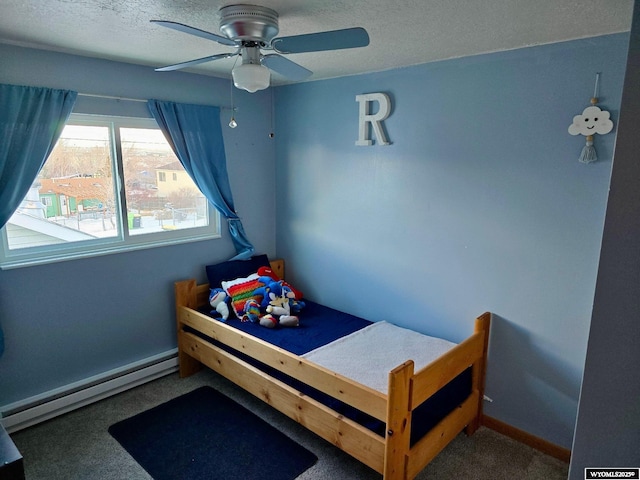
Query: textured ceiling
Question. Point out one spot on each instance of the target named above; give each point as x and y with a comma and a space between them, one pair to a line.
402, 32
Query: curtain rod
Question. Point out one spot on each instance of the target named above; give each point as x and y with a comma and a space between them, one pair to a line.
126, 99
109, 97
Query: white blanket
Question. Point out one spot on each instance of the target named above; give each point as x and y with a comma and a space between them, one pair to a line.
368, 355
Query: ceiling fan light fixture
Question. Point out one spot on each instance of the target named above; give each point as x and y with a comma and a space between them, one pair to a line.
251, 28
251, 77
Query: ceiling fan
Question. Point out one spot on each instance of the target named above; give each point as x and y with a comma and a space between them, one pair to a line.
251, 29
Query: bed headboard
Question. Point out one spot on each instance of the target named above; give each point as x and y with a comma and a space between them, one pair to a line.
277, 266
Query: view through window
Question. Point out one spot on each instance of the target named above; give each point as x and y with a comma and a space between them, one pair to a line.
108, 183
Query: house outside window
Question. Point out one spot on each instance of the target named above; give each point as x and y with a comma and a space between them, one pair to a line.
100, 192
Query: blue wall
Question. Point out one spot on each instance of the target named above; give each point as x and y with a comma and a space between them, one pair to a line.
478, 204
67, 321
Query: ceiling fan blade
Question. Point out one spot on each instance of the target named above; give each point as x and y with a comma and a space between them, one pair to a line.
195, 31
321, 41
286, 67
197, 61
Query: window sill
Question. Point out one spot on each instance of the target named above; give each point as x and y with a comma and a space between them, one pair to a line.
16, 262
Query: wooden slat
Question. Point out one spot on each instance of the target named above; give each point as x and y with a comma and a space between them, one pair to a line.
185, 296
185, 293
441, 371
201, 296
342, 388
347, 435
398, 422
482, 325
439, 437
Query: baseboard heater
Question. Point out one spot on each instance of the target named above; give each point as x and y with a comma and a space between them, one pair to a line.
33, 410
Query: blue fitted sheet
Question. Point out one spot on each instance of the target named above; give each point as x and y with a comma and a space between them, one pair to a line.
319, 325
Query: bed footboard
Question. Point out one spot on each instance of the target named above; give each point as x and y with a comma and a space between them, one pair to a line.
407, 390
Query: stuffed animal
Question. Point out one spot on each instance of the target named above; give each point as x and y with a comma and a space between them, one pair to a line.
251, 311
218, 300
295, 304
270, 321
275, 302
278, 304
268, 272
261, 293
295, 296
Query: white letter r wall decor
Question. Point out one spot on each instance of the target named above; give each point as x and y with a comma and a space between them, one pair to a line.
374, 119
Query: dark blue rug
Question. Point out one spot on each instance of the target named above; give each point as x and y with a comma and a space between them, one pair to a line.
206, 435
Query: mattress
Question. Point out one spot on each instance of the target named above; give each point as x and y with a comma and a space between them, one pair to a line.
379, 347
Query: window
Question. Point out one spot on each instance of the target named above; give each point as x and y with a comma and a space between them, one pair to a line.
103, 190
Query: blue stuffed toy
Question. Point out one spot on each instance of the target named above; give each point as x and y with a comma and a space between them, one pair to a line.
251, 311
270, 286
254, 310
218, 299
276, 303
295, 305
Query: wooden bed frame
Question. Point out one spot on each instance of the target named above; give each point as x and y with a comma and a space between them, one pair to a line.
391, 456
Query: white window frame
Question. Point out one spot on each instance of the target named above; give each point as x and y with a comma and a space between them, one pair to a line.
123, 242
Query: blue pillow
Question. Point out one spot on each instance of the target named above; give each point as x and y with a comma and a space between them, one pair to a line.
232, 269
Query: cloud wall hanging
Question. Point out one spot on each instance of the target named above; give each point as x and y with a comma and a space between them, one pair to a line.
592, 120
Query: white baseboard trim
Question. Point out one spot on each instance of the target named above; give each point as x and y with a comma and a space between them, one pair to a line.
36, 409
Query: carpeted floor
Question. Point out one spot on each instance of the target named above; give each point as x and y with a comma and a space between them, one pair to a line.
77, 446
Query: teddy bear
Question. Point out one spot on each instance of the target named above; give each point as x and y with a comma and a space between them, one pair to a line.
218, 301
